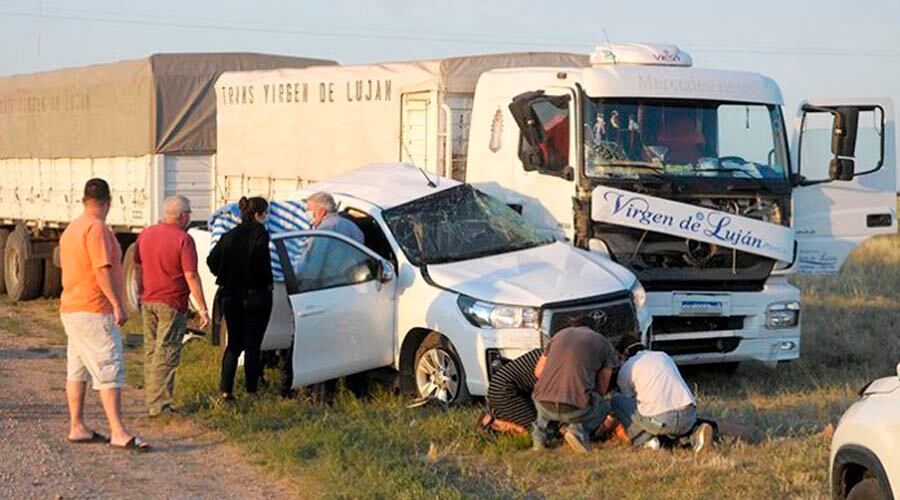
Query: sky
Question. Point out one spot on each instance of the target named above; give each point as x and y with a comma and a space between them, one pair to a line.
811, 48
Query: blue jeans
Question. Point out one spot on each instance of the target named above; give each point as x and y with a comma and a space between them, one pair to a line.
671, 424
581, 421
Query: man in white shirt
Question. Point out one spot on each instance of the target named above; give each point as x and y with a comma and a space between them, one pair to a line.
654, 400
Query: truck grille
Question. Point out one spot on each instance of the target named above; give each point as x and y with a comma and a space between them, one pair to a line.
613, 319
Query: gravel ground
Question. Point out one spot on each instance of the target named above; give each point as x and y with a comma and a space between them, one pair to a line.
36, 461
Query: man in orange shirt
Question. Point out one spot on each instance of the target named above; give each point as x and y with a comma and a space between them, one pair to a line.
92, 310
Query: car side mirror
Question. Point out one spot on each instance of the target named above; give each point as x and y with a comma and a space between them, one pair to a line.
843, 143
385, 271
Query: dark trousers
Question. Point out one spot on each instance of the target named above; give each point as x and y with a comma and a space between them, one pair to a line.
246, 315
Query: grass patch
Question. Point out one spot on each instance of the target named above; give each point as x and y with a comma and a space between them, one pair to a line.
378, 448
13, 326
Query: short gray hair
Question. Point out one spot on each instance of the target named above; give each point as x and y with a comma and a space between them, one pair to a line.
177, 205
323, 199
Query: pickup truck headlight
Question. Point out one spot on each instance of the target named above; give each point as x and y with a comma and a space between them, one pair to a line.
638, 295
782, 315
488, 315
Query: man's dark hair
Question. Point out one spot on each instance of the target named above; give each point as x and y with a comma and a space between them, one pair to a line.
97, 190
629, 345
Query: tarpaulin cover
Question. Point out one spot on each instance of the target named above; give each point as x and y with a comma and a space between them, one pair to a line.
284, 216
161, 104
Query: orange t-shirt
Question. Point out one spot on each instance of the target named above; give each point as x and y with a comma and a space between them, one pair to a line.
86, 246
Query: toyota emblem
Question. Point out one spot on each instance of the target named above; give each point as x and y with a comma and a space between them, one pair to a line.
598, 317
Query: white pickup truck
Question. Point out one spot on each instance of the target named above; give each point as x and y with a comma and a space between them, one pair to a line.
449, 283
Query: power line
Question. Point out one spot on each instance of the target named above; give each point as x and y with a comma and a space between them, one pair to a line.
362, 33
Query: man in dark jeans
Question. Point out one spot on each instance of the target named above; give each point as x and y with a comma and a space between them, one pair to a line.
573, 375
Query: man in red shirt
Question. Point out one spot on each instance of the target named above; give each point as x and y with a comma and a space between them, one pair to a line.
166, 263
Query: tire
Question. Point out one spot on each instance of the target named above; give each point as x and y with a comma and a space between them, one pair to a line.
52, 280
4, 235
132, 299
867, 489
24, 277
438, 372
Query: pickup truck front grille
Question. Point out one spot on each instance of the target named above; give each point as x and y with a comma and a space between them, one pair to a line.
613, 319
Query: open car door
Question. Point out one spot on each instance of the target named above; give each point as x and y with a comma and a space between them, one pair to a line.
342, 299
846, 181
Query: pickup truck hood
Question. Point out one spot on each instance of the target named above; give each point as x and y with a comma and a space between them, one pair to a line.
533, 277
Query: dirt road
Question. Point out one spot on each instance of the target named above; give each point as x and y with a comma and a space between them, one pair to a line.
36, 461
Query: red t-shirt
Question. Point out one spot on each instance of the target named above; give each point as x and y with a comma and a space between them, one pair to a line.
165, 252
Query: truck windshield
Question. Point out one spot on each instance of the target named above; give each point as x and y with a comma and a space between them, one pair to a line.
634, 137
460, 223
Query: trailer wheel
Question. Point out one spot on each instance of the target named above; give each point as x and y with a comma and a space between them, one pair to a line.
24, 277
132, 298
52, 280
4, 235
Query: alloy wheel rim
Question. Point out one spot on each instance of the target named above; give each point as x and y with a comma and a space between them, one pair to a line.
437, 376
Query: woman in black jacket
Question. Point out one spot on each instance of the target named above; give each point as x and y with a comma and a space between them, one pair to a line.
243, 269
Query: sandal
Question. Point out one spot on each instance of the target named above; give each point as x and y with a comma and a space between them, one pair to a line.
133, 444
95, 437
485, 423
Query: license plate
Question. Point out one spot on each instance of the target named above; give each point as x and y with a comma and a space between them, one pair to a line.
702, 305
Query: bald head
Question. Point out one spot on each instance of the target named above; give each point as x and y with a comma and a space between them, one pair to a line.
178, 210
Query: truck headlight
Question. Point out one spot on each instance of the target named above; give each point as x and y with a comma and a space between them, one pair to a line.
638, 295
488, 315
783, 315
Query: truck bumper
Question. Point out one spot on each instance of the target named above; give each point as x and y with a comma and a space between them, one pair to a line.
738, 333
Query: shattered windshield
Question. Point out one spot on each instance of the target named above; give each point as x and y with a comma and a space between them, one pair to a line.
459, 224
631, 138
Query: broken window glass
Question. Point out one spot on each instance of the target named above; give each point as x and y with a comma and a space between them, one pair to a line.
460, 223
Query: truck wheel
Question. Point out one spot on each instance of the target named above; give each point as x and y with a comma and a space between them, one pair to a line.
4, 235
132, 298
438, 371
867, 489
24, 277
52, 280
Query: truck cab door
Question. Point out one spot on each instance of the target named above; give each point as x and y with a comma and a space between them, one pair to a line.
342, 300
845, 183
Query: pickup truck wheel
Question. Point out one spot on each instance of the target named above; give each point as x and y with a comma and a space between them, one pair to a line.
23, 276
4, 235
438, 372
132, 298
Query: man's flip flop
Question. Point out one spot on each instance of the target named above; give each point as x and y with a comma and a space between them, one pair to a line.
133, 444
95, 437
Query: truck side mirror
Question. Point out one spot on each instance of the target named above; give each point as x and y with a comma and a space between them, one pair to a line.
532, 136
843, 143
544, 128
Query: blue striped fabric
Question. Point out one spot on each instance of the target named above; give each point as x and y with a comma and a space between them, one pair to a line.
284, 216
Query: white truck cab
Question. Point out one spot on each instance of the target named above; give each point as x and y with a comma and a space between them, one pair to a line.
685, 177
448, 283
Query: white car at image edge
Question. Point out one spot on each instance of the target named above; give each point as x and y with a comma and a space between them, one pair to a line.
865, 448
449, 283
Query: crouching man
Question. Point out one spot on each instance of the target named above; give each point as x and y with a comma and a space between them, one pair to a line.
573, 374
655, 402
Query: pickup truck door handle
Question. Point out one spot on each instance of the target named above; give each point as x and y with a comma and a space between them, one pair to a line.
309, 311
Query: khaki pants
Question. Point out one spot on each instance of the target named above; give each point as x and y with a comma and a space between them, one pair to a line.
164, 329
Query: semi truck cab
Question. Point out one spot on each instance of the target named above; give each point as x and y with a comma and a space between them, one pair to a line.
688, 178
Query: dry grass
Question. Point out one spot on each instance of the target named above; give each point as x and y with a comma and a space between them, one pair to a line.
377, 448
